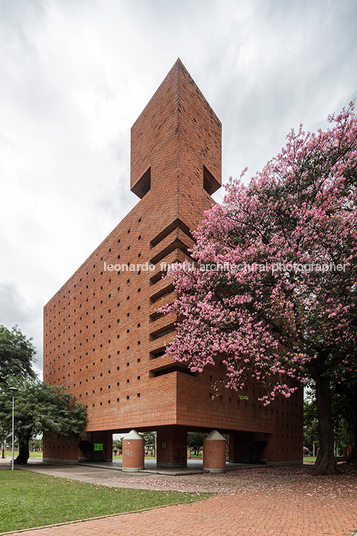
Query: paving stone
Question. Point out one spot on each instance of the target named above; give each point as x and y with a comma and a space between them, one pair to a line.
263, 501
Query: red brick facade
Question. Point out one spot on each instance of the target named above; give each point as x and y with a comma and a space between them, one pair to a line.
103, 338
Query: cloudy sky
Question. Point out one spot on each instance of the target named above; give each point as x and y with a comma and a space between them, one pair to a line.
74, 76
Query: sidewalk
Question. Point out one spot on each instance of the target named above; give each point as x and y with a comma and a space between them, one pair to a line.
262, 501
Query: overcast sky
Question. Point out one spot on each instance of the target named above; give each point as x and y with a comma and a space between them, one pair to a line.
74, 76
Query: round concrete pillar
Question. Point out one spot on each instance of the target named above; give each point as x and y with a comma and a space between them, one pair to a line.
214, 453
133, 452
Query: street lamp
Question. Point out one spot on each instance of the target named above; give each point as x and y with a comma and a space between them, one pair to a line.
13, 391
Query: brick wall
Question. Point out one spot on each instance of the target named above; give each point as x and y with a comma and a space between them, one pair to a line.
103, 338
59, 449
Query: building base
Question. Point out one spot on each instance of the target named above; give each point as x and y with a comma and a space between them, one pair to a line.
171, 446
60, 461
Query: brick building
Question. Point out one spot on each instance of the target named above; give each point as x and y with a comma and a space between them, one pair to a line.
103, 337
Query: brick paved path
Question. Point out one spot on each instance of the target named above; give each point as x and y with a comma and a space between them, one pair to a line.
226, 515
265, 501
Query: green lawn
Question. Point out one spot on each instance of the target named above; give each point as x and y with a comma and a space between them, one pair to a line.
32, 500
311, 459
16, 452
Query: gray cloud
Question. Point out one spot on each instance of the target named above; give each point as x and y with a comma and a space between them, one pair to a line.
15, 310
74, 77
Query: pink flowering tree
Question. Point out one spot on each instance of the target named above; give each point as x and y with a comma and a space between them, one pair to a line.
273, 290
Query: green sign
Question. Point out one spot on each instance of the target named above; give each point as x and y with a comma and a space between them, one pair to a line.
98, 446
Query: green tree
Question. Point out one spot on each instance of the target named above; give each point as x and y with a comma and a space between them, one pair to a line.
311, 424
195, 441
16, 355
16, 358
35, 444
344, 407
3, 436
41, 409
149, 438
343, 410
117, 445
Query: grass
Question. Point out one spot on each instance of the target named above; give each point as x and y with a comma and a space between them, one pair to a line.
16, 452
309, 459
31, 500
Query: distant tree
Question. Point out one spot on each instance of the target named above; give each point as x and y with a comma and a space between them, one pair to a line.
16, 355
16, 358
35, 444
274, 293
149, 438
344, 406
343, 413
117, 445
41, 409
195, 441
3, 436
311, 424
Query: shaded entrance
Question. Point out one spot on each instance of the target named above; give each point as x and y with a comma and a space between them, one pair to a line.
247, 447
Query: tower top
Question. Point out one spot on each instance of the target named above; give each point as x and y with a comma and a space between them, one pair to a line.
176, 139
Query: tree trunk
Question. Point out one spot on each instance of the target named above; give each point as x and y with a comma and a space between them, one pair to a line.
353, 456
24, 453
326, 462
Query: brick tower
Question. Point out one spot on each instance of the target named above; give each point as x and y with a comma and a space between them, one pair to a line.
103, 336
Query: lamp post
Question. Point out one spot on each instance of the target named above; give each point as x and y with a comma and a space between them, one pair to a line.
13, 391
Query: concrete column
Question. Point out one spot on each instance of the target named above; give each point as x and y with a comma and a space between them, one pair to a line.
171, 446
214, 453
133, 452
